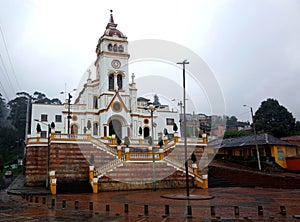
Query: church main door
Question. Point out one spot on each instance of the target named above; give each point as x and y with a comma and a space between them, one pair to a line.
115, 127
146, 132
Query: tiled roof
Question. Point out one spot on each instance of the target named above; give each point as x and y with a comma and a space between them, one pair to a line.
262, 139
291, 138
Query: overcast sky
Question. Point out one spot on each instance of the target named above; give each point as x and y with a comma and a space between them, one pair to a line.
252, 47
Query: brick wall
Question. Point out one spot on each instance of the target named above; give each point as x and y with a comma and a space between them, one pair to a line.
244, 178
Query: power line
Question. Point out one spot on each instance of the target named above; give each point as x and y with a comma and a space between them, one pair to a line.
4, 92
9, 58
4, 71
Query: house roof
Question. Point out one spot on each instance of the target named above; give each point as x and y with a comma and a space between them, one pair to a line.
262, 139
291, 138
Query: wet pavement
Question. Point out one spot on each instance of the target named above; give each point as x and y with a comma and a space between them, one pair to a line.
226, 204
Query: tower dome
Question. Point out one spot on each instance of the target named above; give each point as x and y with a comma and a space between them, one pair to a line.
111, 28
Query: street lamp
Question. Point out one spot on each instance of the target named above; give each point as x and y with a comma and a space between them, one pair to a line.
151, 108
185, 62
255, 137
48, 150
69, 105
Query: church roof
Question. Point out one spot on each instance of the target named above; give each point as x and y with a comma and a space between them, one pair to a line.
140, 99
111, 28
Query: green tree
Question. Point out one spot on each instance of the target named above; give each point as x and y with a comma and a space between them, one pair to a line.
160, 142
273, 118
3, 111
17, 115
156, 100
38, 128
39, 97
235, 133
175, 127
231, 122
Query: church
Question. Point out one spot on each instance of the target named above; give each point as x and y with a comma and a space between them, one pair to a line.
108, 102
109, 137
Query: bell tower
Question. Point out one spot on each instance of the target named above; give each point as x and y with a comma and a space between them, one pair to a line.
112, 61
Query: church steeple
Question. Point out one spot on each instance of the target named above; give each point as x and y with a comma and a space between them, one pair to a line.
111, 22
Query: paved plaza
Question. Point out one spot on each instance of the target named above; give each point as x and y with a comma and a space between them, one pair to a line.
226, 204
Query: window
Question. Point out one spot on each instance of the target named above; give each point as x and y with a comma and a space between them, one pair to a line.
95, 102
280, 154
121, 48
111, 83
170, 121
43, 134
115, 48
119, 81
116, 106
95, 129
109, 47
58, 118
44, 117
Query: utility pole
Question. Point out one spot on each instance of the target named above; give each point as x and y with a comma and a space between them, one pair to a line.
255, 138
185, 62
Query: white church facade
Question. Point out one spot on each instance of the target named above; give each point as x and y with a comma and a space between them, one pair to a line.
108, 102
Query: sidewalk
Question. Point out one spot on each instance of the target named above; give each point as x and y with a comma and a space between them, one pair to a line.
226, 204
17, 188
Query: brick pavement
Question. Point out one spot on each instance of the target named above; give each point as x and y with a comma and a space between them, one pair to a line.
18, 208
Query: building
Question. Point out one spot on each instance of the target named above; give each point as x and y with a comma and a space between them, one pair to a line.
271, 149
84, 141
107, 103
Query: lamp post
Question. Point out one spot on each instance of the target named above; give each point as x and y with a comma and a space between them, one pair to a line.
185, 62
69, 107
255, 137
48, 150
151, 108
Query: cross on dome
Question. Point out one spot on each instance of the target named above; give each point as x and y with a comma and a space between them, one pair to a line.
111, 19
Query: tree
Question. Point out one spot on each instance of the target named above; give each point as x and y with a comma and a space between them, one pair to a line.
39, 97
38, 128
119, 141
273, 118
166, 131
175, 128
89, 125
156, 100
140, 131
52, 125
3, 111
17, 115
160, 142
235, 133
231, 122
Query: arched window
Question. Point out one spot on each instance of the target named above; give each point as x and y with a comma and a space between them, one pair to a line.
95, 102
109, 47
111, 83
95, 129
115, 48
120, 81
121, 48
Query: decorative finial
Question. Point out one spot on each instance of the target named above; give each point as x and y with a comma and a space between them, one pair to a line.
89, 72
132, 77
111, 20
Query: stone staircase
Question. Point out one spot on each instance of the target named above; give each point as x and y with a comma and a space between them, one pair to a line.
140, 172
